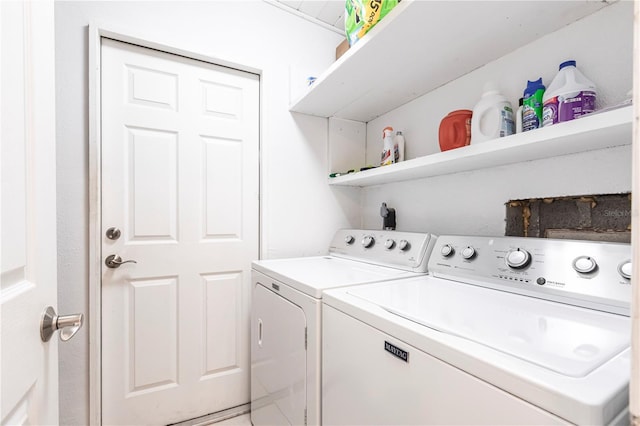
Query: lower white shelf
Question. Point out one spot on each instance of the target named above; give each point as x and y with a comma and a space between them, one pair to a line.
595, 131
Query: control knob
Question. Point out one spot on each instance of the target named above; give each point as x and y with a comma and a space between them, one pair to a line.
404, 245
584, 264
625, 269
468, 252
389, 244
447, 250
349, 239
518, 258
368, 241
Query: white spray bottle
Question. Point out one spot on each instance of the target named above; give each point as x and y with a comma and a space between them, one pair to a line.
388, 155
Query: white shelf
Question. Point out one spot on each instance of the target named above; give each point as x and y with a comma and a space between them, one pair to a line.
591, 132
421, 45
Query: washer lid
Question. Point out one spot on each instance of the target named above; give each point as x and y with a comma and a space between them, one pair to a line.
566, 339
312, 275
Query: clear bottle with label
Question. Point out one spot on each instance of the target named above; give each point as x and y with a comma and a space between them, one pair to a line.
492, 116
398, 147
570, 95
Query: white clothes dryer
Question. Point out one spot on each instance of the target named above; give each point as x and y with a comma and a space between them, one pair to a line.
502, 331
286, 315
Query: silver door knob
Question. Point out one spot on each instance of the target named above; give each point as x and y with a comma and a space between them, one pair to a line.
114, 261
67, 324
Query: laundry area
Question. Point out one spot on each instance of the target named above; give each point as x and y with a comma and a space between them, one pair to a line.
337, 212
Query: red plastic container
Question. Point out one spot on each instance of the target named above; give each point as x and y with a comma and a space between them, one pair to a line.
455, 130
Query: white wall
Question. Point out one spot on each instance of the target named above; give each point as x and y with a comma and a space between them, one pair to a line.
473, 203
299, 211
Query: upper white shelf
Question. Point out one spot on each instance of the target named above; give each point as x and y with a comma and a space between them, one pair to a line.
421, 45
595, 131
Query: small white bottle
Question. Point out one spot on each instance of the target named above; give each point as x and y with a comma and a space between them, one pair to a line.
387, 157
492, 116
398, 147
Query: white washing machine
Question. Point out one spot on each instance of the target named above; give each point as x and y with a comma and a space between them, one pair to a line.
286, 315
501, 331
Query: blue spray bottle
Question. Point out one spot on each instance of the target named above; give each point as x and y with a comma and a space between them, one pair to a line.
532, 105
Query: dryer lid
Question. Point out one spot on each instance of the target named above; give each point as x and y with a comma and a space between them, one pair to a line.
312, 275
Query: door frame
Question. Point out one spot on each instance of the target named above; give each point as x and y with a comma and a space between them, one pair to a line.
96, 33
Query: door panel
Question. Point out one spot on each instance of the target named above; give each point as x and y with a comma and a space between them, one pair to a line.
223, 219
28, 366
180, 179
152, 88
222, 305
152, 185
151, 305
278, 360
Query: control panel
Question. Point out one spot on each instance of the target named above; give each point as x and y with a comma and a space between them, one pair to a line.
590, 274
403, 250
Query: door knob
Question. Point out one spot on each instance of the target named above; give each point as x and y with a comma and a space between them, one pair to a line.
114, 261
67, 324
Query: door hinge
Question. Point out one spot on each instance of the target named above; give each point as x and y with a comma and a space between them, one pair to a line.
305, 416
305, 338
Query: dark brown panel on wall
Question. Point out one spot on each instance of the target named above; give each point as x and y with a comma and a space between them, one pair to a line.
605, 217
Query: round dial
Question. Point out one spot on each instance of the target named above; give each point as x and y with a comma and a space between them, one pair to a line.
584, 264
349, 239
404, 245
447, 250
389, 244
517, 258
468, 252
625, 269
368, 241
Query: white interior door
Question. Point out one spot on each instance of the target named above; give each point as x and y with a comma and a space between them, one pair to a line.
29, 367
180, 183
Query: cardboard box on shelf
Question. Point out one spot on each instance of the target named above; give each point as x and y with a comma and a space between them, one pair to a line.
342, 47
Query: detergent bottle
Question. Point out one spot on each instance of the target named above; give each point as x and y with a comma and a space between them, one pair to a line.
570, 95
492, 116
